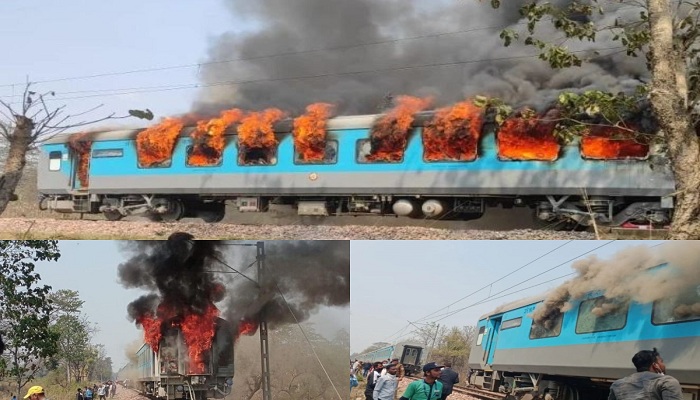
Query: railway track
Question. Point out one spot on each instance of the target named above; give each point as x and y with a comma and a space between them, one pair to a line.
473, 392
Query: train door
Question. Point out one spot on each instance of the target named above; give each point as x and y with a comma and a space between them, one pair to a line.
494, 325
410, 355
80, 167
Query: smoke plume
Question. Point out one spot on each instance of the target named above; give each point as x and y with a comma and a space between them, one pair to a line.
282, 27
625, 277
310, 274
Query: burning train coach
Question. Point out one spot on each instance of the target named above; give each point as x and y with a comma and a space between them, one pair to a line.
167, 369
408, 162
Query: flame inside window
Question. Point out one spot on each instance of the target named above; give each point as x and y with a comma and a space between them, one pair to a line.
389, 135
453, 135
208, 139
155, 145
611, 143
310, 133
527, 139
257, 144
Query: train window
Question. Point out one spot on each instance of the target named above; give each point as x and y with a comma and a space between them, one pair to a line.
436, 152
202, 158
107, 153
330, 155
550, 328
364, 149
682, 307
511, 323
601, 314
480, 338
257, 156
55, 160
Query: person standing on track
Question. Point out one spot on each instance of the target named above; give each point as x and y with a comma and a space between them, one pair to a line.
386, 386
649, 382
449, 378
429, 388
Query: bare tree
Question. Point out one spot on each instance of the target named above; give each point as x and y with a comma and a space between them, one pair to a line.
31, 123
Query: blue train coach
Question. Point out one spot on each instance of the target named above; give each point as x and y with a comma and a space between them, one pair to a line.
570, 189
580, 352
409, 355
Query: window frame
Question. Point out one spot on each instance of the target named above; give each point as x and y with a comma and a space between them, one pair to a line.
653, 312
158, 166
476, 158
97, 153
52, 159
238, 158
480, 335
519, 323
578, 315
188, 150
560, 325
335, 159
358, 146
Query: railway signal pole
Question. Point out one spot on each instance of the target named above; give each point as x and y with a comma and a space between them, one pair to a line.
264, 348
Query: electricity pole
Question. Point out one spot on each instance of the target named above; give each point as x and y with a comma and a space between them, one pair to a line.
264, 349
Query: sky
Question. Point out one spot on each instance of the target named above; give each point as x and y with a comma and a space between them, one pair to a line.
47, 40
394, 282
90, 267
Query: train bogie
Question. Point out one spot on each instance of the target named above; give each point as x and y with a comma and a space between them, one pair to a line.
114, 183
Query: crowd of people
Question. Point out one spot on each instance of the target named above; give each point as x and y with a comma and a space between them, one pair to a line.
383, 379
97, 392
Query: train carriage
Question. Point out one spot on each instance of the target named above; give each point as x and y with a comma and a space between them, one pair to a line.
581, 352
409, 355
169, 374
346, 182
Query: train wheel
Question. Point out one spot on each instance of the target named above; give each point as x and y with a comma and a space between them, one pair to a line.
112, 215
175, 213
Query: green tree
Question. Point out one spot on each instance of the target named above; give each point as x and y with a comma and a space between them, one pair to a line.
455, 346
74, 348
65, 302
668, 39
25, 309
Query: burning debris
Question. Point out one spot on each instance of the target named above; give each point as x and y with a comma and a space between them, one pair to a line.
627, 277
256, 137
526, 137
310, 132
612, 143
390, 135
453, 135
155, 145
208, 138
186, 293
81, 144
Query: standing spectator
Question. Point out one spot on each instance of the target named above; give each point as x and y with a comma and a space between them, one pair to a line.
35, 393
79, 395
356, 367
386, 386
449, 378
88, 393
365, 368
429, 388
649, 382
114, 389
101, 392
372, 377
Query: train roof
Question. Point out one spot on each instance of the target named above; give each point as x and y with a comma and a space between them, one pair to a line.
516, 304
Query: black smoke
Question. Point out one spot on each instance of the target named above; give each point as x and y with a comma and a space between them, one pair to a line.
175, 271
288, 26
310, 274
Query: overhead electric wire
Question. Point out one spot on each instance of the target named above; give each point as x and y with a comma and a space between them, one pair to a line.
166, 88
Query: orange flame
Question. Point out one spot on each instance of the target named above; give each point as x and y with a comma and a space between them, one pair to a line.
208, 138
198, 331
152, 332
310, 132
527, 139
612, 143
390, 135
155, 144
256, 134
81, 146
453, 135
247, 328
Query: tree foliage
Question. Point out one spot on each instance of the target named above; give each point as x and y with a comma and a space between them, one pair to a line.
455, 346
25, 308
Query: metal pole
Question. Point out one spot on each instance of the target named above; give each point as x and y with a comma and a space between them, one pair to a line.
264, 350
430, 351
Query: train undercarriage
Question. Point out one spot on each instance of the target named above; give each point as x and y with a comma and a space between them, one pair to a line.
530, 386
551, 211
